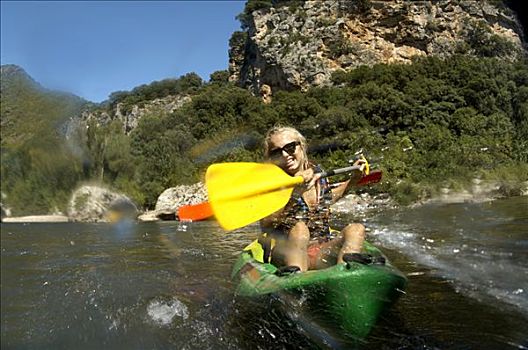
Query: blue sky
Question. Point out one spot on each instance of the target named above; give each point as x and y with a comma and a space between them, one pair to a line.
93, 48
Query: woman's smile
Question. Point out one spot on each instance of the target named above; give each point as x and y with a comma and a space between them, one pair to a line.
289, 162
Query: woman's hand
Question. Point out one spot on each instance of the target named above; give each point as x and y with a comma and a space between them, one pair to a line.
310, 177
361, 162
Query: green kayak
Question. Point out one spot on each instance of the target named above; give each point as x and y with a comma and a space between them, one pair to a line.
348, 297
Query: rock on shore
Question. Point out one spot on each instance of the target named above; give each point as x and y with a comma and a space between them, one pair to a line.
172, 199
94, 204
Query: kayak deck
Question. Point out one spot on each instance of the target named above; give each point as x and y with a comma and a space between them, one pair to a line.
349, 296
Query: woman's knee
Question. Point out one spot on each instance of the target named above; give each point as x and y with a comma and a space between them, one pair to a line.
299, 233
353, 232
353, 238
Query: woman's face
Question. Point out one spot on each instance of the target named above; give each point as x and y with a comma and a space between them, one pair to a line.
285, 151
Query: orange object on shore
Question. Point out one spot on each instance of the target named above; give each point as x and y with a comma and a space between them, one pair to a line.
195, 212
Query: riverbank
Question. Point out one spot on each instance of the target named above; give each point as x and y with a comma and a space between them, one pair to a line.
36, 218
361, 203
478, 191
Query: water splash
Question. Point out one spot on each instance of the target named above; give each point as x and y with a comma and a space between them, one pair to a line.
475, 268
163, 312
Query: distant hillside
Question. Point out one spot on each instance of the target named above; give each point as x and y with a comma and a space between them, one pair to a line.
28, 109
13, 75
38, 169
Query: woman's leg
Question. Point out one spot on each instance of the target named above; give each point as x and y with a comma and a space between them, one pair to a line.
297, 242
353, 238
350, 240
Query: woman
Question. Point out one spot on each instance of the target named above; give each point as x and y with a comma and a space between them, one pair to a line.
301, 231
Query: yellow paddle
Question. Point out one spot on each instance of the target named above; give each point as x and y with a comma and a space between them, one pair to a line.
242, 193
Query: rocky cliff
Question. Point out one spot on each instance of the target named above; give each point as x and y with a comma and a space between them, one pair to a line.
129, 117
298, 44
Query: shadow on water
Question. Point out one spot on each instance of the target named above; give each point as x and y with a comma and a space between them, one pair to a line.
167, 285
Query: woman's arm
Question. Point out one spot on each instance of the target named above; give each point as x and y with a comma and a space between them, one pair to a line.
341, 188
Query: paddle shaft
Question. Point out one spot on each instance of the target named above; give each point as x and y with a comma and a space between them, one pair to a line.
295, 180
201, 211
340, 170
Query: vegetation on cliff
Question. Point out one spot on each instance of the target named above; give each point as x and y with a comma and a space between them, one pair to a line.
188, 83
431, 124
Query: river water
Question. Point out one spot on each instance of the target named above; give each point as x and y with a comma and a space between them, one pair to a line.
167, 285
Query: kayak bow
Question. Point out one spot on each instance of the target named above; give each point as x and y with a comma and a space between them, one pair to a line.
347, 297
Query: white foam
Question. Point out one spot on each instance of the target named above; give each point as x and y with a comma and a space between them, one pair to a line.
163, 312
477, 272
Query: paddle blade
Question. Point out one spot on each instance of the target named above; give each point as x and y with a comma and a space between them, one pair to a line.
239, 212
373, 177
242, 193
195, 212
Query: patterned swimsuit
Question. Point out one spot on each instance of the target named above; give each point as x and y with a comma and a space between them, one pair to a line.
317, 219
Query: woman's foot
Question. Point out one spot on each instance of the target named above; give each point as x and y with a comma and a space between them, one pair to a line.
363, 259
287, 270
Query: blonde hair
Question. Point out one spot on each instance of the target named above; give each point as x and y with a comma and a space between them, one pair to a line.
298, 137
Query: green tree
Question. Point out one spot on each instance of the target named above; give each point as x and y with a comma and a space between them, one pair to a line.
219, 77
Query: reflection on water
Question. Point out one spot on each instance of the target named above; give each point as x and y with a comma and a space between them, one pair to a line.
166, 285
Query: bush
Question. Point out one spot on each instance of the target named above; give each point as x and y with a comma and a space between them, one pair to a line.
425, 124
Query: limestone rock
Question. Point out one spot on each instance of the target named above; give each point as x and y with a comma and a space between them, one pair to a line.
296, 47
172, 199
129, 118
361, 204
5, 212
94, 203
265, 93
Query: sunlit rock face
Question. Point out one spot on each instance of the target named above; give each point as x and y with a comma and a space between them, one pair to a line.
296, 47
174, 198
130, 117
5, 212
99, 204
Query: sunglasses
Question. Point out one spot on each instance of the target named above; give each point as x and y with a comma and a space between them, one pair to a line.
288, 148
